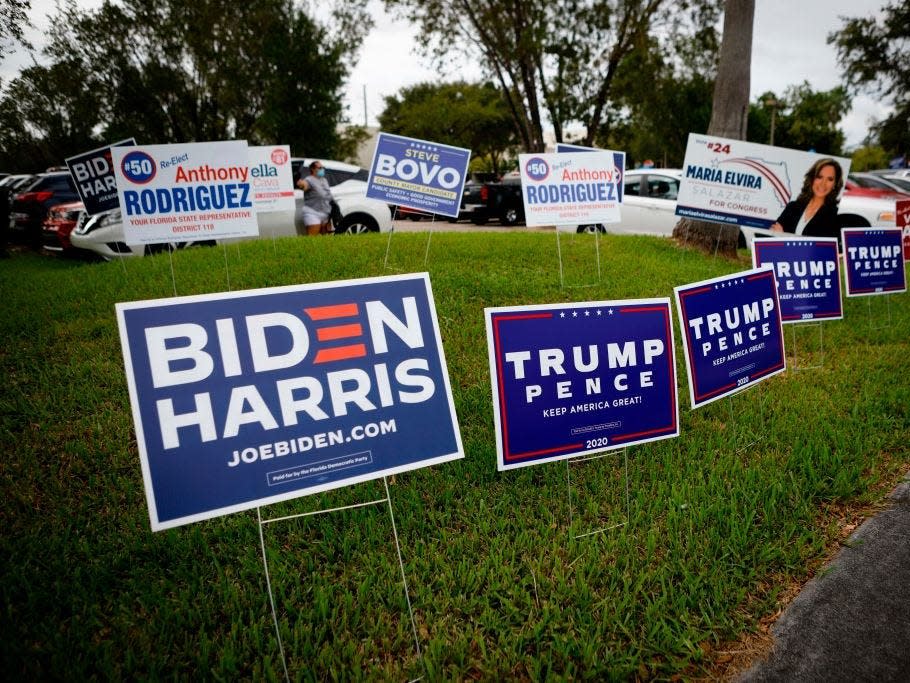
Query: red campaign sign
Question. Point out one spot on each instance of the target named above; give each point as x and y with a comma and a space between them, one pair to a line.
903, 222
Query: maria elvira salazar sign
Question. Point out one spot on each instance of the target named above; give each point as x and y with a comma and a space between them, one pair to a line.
247, 398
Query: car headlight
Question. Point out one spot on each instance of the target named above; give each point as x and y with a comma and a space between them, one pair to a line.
99, 220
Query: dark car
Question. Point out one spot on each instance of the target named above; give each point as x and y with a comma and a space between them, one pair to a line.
31, 205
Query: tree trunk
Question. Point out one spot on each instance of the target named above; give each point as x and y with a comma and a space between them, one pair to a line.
729, 116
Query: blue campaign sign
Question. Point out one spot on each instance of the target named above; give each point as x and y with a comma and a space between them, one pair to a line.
96, 183
418, 174
873, 261
733, 333
578, 378
242, 399
808, 276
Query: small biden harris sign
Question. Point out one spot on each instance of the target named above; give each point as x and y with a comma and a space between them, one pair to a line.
578, 378
874, 261
808, 276
242, 399
732, 331
418, 174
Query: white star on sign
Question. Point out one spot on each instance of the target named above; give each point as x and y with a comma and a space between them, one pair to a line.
562, 315
587, 313
574, 314
599, 312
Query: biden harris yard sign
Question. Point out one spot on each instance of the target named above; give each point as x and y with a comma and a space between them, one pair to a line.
185, 193
418, 174
732, 331
873, 261
571, 187
808, 276
247, 398
93, 173
578, 378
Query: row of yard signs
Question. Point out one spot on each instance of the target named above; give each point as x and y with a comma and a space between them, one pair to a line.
243, 399
246, 398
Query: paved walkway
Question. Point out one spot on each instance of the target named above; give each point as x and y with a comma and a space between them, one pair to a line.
852, 622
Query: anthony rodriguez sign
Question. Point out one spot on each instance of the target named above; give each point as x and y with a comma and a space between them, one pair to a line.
808, 276
732, 331
571, 187
874, 261
579, 378
185, 192
247, 398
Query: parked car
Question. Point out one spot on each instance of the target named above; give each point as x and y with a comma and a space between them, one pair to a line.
874, 185
60, 222
649, 208
103, 235
31, 205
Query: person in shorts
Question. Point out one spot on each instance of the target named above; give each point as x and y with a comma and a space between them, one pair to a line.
317, 197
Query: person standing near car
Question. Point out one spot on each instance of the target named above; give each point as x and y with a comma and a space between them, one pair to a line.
814, 212
317, 201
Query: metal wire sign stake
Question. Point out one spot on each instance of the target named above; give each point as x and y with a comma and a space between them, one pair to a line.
268, 582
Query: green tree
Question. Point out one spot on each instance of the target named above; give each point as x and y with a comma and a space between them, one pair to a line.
13, 20
471, 115
804, 119
170, 71
558, 58
874, 58
868, 157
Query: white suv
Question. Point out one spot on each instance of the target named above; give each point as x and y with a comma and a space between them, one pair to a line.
102, 234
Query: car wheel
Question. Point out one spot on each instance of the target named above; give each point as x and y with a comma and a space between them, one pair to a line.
849, 220
356, 224
591, 228
508, 216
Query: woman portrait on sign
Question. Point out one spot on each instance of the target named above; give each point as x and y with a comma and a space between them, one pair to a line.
317, 200
814, 212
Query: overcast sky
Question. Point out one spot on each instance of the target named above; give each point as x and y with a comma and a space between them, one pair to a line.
788, 47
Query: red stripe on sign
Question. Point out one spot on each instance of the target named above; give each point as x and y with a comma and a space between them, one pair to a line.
339, 332
341, 353
328, 312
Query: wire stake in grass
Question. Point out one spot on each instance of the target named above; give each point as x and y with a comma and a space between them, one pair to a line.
582, 459
562, 260
388, 244
821, 347
887, 321
759, 433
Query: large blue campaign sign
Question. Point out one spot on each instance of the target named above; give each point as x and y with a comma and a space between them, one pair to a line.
418, 174
808, 276
873, 261
95, 180
733, 333
579, 378
247, 398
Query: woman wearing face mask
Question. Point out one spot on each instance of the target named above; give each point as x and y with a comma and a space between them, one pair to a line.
317, 197
814, 212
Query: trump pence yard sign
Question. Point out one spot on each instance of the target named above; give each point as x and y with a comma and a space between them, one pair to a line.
808, 276
246, 398
579, 378
732, 331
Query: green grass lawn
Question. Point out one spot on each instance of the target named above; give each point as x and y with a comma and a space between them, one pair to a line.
500, 589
